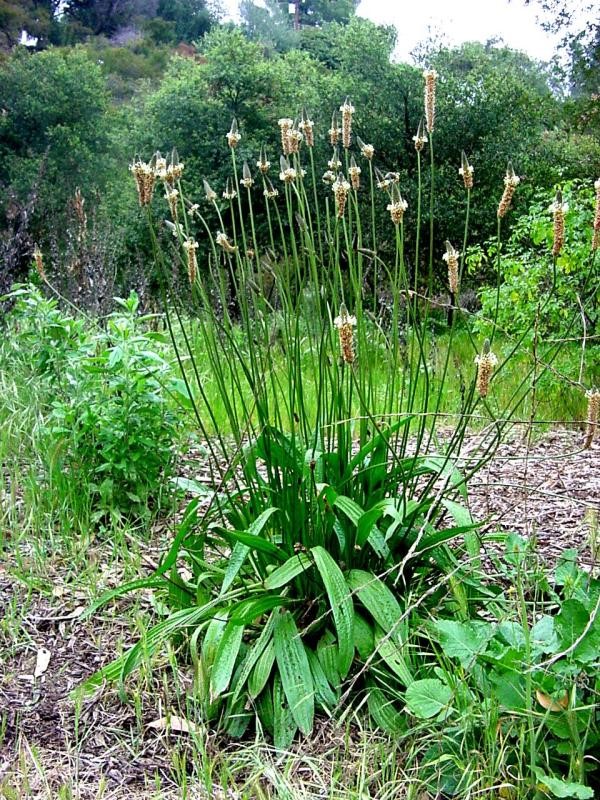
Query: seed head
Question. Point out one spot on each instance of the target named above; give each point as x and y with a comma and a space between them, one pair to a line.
287, 173
345, 324
285, 125
340, 189
234, 136
397, 206
511, 181
270, 191
430, 76
366, 150
211, 195
334, 131
263, 163
294, 139
451, 258
558, 210
420, 139
223, 241
334, 162
247, 179
190, 246
306, 126
347, 110
354, 174
172, 197
383, 181
169, 172
160, 166
39, 263
230, 192
466, 171
486, 361
145, 178
593, 409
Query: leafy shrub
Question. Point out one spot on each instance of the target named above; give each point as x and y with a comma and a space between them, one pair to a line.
116, 431
108, 430
42, 338
528, 666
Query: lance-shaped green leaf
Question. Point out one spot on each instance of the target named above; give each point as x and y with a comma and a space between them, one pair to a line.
294, 566
225, 658
341, 604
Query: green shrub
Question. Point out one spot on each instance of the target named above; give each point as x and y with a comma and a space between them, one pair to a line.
511, 696
108, 433
116, 431
527, 273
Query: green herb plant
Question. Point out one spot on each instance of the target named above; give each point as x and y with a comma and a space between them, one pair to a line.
330, 516
108, 431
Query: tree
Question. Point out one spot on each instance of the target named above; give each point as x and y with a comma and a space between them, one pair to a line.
37, 17
579, 23
182, 20
190, 19
268, 23
318, 12
56, 115
101, 17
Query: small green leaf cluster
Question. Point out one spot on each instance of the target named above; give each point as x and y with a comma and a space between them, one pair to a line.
530, 670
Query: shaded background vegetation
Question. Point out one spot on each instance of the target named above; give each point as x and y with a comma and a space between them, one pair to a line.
109, 79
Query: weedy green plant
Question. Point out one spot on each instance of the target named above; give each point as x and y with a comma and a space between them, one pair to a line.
108, 431
511, 697
330, 522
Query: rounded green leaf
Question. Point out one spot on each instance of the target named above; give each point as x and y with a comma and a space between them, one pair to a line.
428, 698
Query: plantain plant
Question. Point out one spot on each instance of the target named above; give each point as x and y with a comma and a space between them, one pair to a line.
338, 506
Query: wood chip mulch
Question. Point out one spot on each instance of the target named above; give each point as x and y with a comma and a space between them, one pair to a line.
549, 490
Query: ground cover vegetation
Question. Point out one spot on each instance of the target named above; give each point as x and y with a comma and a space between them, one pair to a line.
337, 319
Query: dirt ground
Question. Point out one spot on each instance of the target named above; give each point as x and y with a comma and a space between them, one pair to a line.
550, 490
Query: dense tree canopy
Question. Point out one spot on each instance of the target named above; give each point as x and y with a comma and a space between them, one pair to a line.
37, 17
79, 115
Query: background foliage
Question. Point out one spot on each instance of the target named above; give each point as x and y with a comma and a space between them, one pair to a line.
107, 81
